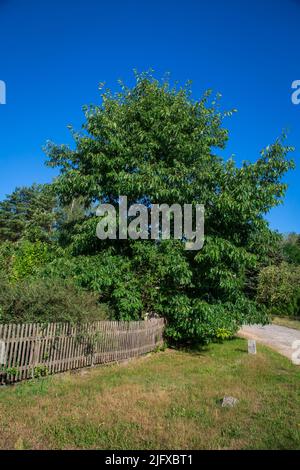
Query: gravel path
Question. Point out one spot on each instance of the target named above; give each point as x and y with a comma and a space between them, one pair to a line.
277, 337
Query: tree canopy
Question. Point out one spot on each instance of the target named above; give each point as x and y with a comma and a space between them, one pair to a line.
155, 144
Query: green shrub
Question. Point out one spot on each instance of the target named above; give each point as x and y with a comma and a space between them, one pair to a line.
279, 289
43, 300
28, 257
291, 248
209, 322
7, 250
23, 258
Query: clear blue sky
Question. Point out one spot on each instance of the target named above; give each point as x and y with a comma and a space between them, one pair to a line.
53, 54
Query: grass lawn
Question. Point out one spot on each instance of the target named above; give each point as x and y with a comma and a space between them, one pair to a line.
286, 321
168, 400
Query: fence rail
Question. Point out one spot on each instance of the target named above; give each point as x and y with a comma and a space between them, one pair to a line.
31, 349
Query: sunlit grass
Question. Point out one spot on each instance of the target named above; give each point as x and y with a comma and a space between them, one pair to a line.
168, 400
286, 321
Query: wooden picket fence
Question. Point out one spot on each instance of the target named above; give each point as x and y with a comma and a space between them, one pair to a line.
31, 350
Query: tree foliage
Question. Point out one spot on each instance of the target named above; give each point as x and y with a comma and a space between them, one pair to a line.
291, 248
155, 144
44, 300
28, 213
279, 289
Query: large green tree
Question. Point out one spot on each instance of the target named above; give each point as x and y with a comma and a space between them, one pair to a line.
155, 144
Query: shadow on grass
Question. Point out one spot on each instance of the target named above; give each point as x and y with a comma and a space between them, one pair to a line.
193, 349
242, 350
204, 349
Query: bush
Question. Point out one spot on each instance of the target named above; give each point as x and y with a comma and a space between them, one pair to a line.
279, 289
291, 248
28, 257
209, 322
24, 258
38, 300
7, 250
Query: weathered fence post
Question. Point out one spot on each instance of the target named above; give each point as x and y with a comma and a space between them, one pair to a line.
60, 346
251, 346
